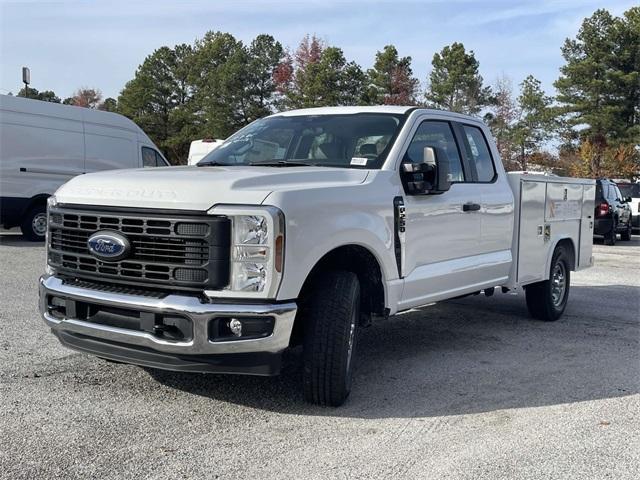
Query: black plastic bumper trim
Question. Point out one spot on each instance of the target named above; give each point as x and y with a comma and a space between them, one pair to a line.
255, 363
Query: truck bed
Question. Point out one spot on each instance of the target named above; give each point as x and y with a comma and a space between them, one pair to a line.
548, 210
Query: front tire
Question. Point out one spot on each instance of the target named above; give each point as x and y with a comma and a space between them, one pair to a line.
330, 315
547, 300
34, 224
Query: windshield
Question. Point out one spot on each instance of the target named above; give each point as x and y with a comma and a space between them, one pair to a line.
350, 141
630, 189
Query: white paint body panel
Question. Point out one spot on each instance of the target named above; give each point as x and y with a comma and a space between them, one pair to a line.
198, 188
549, 210
447, 252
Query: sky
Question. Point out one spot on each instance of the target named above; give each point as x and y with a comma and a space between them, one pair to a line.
99, 44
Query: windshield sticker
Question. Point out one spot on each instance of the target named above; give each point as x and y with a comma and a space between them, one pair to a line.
360, 161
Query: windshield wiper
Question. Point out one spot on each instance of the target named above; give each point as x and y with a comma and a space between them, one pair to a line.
214, 164
282, 163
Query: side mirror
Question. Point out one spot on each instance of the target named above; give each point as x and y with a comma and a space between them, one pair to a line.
429, 177
627, 199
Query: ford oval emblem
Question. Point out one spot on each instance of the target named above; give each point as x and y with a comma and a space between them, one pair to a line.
109, 246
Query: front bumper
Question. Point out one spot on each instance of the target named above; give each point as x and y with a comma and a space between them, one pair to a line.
257, 356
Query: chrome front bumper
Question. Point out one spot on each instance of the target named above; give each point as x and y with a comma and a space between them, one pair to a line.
191, 307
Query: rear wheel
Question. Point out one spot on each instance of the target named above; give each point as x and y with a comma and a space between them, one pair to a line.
330, 316
626, 235
547, 300
34, 224
610, 238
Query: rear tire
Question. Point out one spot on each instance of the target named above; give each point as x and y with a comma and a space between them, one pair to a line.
330, 315
610, 238
547, 300
34, 224
626, 235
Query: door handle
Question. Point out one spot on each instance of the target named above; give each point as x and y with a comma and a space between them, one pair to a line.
470, 207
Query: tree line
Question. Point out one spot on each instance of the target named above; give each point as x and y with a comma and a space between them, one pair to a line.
218, 84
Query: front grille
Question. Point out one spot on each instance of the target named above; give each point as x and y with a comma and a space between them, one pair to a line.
120, 289
175, 251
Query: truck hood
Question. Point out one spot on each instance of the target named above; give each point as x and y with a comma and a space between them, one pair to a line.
197, 188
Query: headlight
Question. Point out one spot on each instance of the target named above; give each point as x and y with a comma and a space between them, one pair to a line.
51, 203
250, 230
257, 251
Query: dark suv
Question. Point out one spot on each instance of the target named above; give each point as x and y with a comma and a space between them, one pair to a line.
612, 213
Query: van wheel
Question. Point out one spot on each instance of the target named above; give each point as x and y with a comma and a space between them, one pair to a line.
34, 224
547, 300
626, 235
330, 317
610, 238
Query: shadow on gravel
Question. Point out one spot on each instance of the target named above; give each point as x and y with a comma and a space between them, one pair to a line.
15, 239
465, 356
634, 242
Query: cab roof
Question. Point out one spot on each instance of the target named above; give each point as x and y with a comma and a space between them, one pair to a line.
393, 109
346, 110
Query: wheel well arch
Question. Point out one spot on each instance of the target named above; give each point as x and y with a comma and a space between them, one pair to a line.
41, 198
353, 258
571, 252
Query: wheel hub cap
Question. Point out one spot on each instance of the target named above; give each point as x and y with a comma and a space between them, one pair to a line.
39, 224
558, 284
352, 331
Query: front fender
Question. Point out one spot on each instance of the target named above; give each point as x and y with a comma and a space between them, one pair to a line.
321, 220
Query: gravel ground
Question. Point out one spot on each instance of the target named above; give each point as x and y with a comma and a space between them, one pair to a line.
470, 388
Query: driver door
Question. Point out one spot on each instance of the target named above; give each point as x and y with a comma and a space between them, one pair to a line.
442, 235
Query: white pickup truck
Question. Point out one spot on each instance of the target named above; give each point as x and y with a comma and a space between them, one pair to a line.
298, 230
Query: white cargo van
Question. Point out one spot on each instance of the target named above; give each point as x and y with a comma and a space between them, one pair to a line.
43, 145
200, 148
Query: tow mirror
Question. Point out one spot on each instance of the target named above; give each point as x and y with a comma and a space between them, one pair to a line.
428, 177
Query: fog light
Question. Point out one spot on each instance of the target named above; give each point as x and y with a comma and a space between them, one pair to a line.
235, 326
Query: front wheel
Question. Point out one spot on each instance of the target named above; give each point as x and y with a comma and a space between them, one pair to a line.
547, 300
34, 224
330, 315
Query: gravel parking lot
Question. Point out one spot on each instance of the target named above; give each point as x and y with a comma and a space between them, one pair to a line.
471, 388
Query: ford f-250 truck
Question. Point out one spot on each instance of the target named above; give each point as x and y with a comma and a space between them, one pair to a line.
298, 230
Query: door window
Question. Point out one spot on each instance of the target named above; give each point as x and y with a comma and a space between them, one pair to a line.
480, 154
618, 195
151, 158
439, 135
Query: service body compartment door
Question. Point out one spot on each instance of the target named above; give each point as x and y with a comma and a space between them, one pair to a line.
532, 249
564, 201
586, 228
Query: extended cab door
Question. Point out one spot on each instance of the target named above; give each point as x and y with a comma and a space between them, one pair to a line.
442, 250
497, 205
